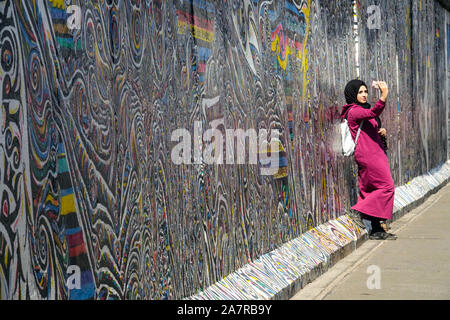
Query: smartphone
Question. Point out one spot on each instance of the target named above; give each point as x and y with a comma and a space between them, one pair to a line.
375, 84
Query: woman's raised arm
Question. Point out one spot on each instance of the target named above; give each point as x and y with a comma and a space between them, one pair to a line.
358, 114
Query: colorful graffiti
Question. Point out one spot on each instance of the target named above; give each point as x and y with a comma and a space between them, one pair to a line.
88, 186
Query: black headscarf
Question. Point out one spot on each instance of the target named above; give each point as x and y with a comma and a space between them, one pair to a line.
351, 92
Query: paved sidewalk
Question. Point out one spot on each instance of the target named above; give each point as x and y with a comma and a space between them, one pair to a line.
415, 266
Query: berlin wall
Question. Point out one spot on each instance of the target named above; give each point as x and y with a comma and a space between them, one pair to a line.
93, 205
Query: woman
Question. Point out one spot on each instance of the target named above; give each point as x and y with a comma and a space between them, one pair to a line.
376, 187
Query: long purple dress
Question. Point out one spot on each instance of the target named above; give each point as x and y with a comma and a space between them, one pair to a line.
376, 187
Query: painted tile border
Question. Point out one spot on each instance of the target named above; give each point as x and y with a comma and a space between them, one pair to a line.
284, 271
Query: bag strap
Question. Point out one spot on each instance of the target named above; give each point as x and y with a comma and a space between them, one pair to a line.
359, 131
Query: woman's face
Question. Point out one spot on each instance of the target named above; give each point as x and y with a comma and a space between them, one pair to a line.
362, 94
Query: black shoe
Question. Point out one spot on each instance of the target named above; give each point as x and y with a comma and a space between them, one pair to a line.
378, 236
381, 235
391, 235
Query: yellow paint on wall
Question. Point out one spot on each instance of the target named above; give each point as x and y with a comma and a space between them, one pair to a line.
304, 67
197, 32
67, 204
276, 47
52, 200
58, 4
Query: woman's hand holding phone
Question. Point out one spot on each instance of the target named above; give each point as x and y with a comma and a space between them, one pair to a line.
383, 87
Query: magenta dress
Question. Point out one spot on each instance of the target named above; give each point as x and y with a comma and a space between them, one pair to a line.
376, 187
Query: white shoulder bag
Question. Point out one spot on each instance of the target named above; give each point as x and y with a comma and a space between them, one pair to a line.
348, 145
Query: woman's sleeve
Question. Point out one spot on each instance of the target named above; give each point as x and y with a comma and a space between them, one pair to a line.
358, 114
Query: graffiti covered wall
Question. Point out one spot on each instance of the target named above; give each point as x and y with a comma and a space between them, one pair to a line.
88, 182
